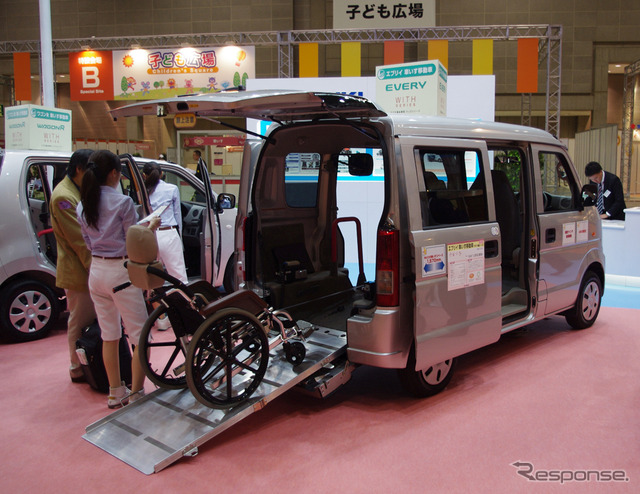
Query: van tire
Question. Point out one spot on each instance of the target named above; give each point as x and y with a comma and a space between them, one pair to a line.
39, 304
427, 382
585, 312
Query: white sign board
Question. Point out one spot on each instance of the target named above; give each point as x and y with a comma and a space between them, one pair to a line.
383, 14
416, 88
466, 264
37, 127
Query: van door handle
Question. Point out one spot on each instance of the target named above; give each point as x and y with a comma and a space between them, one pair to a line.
491, 249
550, 235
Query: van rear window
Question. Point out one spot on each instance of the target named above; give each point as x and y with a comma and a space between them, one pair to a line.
301, 179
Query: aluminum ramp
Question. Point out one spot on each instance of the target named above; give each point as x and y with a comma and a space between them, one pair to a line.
166, 425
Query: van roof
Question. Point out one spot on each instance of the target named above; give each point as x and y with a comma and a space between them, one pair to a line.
432, 126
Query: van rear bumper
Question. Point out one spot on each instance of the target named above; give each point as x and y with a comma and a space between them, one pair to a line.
382, 339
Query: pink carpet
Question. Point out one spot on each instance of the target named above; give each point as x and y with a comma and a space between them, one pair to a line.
557, 399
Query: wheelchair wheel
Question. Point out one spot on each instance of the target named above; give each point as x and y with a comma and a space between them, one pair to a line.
162, 354
227, 358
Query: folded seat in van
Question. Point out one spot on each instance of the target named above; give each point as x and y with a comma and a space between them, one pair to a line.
290, 275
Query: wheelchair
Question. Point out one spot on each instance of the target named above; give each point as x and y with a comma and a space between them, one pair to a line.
217, 346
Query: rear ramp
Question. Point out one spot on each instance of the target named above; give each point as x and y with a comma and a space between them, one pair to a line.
166, 425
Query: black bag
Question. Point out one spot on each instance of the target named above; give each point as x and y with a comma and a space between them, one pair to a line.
89, 350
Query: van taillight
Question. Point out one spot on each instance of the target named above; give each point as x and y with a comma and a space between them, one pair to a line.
387, 268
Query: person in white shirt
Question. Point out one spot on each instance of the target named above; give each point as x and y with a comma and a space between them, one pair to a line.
170, 249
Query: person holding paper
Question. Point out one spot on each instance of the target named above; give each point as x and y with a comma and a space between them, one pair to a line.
170, 249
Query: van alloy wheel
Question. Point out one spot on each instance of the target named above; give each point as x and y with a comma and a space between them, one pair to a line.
28, 310
587, 305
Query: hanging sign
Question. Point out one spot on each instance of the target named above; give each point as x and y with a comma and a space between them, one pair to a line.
162, 73
158, 73
199, 141
184, 121
91, 76
385, 14
419, 88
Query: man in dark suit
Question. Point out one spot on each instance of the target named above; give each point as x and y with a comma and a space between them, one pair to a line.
610, 198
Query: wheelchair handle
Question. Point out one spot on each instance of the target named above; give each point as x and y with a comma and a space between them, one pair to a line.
121, 287
174, 281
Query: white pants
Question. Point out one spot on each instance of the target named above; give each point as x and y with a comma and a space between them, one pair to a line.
170, 253
129, 303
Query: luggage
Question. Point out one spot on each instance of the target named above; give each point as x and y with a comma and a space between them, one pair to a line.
89, 351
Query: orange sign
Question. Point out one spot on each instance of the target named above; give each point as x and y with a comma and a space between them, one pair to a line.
91, 75
184, 121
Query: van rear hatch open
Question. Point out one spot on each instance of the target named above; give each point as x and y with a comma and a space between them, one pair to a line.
278, 106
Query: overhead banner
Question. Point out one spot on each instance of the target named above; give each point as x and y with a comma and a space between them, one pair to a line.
355, 14
153, 74
417, 88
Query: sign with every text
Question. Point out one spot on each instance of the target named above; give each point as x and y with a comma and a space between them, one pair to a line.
416, 88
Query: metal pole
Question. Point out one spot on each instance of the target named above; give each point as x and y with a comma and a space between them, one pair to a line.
46, 55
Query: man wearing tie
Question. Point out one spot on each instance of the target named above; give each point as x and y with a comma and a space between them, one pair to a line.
610, 200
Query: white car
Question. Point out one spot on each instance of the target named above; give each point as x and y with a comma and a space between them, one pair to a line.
30, 303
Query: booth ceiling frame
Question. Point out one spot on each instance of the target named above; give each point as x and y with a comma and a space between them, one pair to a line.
549, 36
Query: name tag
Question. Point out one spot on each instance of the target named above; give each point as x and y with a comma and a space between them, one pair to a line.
607, 193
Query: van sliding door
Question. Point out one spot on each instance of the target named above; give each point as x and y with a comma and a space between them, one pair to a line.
456, 247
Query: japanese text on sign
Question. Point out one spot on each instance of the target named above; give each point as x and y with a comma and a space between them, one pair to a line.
354, 14
385, 10
466, 264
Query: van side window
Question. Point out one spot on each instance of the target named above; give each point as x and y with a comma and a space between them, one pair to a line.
559, 186
301, 179
453, 190
187, 191
35, 183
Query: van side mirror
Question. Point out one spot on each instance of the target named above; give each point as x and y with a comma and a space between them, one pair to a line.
590, 191
589, 195
360, 164
226, 201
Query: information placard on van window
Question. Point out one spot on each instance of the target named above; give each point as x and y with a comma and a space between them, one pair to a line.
466, 264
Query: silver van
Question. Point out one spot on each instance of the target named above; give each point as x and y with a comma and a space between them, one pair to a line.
419, 238
30, 303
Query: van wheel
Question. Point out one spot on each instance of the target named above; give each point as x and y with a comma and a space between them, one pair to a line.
427, 382
28, 310
587, 307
